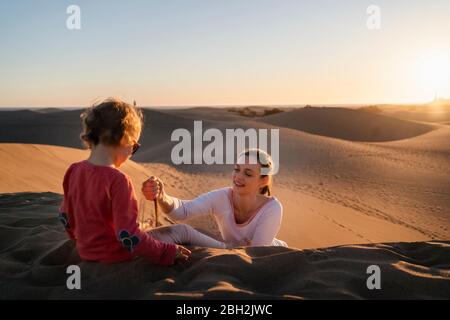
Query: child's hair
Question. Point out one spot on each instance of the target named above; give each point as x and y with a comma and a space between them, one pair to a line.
111, 122
265, 161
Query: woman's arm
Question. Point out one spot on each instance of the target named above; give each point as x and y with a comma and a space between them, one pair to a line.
153, 189
166, 203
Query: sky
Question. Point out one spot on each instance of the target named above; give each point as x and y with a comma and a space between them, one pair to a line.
223, 52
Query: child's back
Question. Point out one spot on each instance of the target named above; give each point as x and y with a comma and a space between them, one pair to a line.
99, 210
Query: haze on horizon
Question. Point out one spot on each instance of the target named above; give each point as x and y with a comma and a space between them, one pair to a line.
234, 52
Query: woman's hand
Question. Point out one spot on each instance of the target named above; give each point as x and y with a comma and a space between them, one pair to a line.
153, 188
182, 254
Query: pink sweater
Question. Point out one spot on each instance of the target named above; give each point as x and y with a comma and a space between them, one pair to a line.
100, 212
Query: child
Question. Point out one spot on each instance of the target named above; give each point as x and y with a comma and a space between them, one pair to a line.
100, 209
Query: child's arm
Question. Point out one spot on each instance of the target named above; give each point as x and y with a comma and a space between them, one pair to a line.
64, 218
125, 213
64, 215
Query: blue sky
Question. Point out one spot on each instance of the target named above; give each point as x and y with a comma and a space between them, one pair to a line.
222, 52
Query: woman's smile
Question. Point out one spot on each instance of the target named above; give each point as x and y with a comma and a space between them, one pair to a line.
238, 184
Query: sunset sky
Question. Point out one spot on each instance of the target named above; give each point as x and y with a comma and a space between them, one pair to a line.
223, 52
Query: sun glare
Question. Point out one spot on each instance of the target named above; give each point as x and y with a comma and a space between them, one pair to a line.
433, 74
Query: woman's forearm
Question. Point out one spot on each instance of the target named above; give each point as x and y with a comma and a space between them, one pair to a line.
166, 203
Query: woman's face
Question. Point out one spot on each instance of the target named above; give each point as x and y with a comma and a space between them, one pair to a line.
247, 179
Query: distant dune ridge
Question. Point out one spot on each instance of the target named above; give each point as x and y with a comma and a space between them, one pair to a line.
353, 125
437, 111
347, 177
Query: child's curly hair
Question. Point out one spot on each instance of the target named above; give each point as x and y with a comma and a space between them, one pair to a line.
111, 122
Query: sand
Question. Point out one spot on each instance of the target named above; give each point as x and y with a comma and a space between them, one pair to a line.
348, 124
350, 200
35, 252
39, 168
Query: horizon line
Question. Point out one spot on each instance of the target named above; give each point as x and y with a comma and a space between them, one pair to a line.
189, 106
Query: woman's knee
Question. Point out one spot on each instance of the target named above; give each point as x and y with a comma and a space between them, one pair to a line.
184, 230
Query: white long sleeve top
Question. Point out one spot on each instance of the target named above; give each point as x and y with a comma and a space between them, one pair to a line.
260, 229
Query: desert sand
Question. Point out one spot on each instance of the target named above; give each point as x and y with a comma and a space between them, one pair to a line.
365, 189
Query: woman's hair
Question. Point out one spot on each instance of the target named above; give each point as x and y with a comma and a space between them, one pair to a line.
265, 161
111, 122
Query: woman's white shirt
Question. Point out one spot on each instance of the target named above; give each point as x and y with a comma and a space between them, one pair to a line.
261, 229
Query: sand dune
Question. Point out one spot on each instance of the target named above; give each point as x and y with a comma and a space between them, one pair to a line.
335, 191
35, 252
314, 205
338, 185
437, 111
438, 117
400, 185
348, 124
40, 168
60, 128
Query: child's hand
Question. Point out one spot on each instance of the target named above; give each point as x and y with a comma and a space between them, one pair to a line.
153, 188
182, 254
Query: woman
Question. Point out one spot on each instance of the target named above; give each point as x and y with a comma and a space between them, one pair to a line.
246, 213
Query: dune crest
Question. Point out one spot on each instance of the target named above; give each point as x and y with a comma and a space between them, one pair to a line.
348, 124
